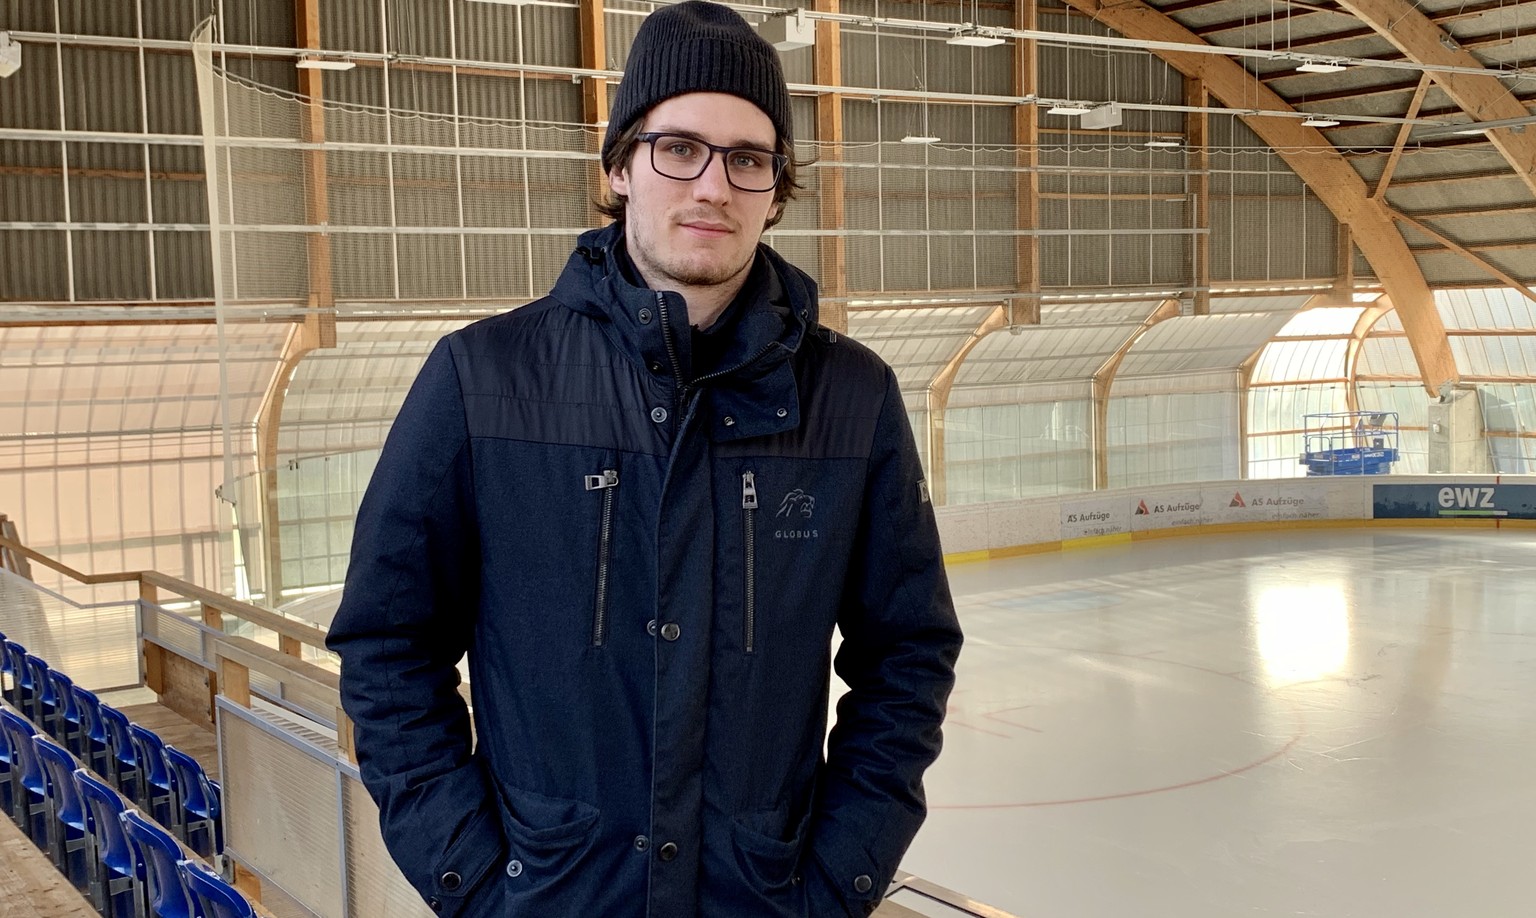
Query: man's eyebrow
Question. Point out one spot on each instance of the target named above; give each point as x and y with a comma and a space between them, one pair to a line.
695, 135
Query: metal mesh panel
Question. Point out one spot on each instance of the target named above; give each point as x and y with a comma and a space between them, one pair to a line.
282, 813
174, 632
375, 885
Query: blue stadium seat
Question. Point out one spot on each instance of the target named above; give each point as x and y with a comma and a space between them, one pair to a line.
157, 854
213, 893
45, 705
69, 840
116, 892
94, 747
30, 809
7, 775
122, 758
156, 795
198, 800
6, 671
67, 723
21, 681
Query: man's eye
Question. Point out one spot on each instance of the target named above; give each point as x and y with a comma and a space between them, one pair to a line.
743, 160
682, 149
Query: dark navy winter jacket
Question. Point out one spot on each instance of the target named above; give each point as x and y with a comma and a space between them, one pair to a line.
646, 570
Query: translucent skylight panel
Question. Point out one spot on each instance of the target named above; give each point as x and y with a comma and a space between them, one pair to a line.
1495, 355
1386, 357
1286, 361
1490, 308
1328, 320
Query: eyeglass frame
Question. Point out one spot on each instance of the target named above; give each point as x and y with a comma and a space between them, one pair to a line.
779, 159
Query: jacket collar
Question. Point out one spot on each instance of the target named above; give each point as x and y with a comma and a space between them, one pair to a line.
754, 392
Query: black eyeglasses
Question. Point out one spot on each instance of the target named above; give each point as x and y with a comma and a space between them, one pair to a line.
684, 158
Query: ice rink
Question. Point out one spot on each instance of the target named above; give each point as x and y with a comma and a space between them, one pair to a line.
1299, 723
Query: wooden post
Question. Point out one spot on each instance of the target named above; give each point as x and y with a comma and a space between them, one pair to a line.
832, 204
236, 679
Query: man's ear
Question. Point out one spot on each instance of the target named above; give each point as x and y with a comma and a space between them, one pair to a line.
618, 180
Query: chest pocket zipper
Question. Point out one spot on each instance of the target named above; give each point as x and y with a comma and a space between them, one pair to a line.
749, 536
608, 483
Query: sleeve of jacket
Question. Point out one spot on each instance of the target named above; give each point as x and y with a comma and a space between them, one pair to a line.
900, 642
405, 620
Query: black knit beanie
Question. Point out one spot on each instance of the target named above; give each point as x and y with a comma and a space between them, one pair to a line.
699, 47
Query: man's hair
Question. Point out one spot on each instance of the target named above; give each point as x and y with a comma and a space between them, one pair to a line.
621, 151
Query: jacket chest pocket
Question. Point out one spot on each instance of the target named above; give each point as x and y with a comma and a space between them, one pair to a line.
786, 551
749, 559
606, 486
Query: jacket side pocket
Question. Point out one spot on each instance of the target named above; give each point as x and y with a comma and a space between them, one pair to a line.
459, 872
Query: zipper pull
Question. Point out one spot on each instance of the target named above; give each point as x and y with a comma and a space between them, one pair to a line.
748, 491
609, 479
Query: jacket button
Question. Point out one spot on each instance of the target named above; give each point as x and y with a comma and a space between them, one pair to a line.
671, 632
514, 868
728, 421
642, 843
862, 883
656, 366
667, 852
435, 904
450, 881
783, 412
659, 414
650, 627
645, 317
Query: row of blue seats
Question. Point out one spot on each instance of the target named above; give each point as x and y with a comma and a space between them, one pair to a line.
167, 783
127, 862
121, 857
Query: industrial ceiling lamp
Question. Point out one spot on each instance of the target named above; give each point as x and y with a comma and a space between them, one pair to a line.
790, 31
1164, 142
1318, 65
971, 37
10, 55
1319, 121
320, 63
1444, 129
1069, 108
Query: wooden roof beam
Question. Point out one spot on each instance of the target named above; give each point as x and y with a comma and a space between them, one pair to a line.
1464, 252
1485, 98
1330, 175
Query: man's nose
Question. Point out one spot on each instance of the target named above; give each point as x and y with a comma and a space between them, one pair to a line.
713, 184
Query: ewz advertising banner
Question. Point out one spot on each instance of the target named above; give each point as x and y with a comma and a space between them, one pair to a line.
1454, 501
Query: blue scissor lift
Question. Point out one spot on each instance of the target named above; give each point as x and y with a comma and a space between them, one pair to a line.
1350, 442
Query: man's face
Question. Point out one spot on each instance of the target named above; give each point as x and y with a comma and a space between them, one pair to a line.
703, 232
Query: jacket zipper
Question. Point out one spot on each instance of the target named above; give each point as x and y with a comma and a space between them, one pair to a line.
749, 532
677, 367
666, 337
608, 483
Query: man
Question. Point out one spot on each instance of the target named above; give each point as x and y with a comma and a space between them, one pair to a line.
641, 504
